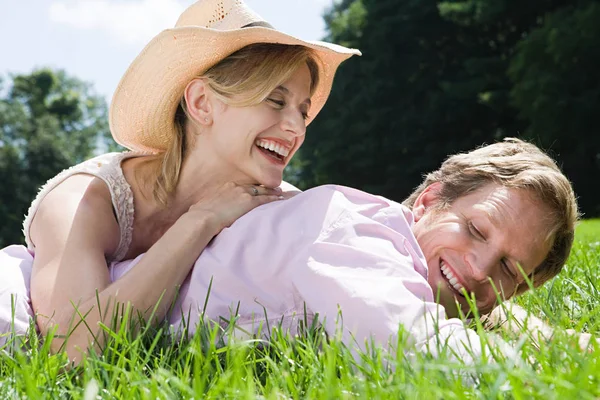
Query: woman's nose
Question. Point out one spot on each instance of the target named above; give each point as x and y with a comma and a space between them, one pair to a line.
293, 122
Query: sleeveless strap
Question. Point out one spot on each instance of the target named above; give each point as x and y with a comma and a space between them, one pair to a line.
108, 168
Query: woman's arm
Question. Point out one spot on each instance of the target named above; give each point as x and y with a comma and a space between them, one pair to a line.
75, 229
514, 319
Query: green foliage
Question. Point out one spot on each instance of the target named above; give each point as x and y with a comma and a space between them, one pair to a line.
441, 77
556, 87
409, 101
48, 122
345, 21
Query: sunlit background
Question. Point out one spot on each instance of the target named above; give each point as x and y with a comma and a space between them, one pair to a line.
436, 78
96, 40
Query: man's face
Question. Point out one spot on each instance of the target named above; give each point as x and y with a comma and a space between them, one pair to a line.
482, 238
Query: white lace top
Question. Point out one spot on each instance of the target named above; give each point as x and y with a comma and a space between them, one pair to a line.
108, 168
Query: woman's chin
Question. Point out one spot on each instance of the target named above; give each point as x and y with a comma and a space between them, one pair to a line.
271, 182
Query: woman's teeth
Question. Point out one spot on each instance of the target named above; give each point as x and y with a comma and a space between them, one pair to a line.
273, 146
451, 278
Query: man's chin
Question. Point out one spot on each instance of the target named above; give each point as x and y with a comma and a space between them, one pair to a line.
455, 308
451, 310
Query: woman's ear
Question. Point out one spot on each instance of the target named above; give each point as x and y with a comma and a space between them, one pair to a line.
427, 200
199, 102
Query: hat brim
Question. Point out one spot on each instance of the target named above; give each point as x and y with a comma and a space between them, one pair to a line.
143, 107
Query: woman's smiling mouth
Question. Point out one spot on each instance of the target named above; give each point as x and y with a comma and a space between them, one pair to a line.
274, 150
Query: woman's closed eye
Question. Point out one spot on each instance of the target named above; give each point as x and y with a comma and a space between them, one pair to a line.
278, 103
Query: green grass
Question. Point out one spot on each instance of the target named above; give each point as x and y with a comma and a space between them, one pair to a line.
156, 366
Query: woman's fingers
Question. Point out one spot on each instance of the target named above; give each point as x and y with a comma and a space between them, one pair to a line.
262, 195
227, 203
256, 190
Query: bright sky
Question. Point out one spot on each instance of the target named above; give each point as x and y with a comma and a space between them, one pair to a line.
95, 40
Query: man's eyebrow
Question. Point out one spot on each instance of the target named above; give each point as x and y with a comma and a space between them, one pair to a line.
493, 219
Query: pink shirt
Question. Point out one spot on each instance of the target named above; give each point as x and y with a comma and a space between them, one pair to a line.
343, 254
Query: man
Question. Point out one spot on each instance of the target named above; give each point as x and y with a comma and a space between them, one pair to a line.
482, 225
477, 227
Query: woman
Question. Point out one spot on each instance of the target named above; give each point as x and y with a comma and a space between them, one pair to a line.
214, 109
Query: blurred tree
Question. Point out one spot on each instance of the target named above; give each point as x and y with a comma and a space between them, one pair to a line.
345, 21
409, 101
434, 80
48, 122
556, 87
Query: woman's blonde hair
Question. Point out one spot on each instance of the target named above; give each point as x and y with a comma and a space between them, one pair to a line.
516, 164
245, 78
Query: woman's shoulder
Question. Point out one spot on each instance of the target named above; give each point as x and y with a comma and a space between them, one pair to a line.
91, 184
79, 206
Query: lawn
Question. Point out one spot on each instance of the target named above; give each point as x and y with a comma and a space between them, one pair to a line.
154, 366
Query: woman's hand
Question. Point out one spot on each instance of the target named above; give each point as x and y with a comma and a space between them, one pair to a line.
222, 205
511, 318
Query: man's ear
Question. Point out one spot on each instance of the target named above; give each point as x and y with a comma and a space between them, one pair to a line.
426, 200
199, 102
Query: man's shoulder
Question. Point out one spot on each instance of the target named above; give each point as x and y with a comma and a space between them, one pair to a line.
337, 196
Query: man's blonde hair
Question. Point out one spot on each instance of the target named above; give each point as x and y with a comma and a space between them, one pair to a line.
244, 78
515, 164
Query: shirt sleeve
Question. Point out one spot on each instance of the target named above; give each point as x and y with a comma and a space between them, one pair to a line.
360, 277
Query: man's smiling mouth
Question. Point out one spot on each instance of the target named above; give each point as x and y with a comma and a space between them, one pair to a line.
451, 279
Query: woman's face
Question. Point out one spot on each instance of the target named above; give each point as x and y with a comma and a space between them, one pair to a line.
254, 144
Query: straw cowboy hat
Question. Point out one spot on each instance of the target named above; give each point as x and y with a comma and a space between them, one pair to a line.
145, 102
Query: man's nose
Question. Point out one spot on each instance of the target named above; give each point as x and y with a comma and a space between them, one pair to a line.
482, 264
